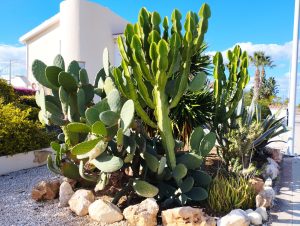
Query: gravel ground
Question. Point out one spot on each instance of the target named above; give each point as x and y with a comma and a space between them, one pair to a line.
17, 207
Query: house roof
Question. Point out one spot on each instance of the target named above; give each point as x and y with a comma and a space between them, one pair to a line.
40, 28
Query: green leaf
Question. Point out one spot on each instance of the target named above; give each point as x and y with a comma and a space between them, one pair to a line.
196, 138
190, 160
145, 189
99, 128
74, 69
83, 77
114, 100
187, 184
127, 114
152, 161
197, 194
179, 171
84, 147
108, 163
198, 82
55, 146
59, 62
92, 115
202, 179
52, 73
77, 127
109, 118
207, 143
70, 170
68, 82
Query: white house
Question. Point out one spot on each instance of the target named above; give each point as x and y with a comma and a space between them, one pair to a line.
80, 31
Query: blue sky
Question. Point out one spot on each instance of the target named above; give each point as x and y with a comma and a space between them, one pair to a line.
256, 24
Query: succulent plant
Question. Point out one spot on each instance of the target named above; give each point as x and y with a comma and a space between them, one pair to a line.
154, 74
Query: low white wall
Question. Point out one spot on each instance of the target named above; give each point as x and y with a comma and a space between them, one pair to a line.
22, 161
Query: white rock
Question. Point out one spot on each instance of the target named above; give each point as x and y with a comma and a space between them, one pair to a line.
268, 182
144, 213
263, 212
105, 212
186, 215
80, 201
255, 218
236, 217
271, 171
265, 197
249, 211
65, 193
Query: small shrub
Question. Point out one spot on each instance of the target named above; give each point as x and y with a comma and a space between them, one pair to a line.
7, 92
230, 193
24, 92
28, 100
18, 133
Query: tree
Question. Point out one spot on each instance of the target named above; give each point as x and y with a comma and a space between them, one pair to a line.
260, 61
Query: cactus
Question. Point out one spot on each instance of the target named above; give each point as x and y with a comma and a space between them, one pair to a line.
154, 61
228, 91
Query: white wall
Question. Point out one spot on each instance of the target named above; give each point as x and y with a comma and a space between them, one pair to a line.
44, 47
86, 29
82, 32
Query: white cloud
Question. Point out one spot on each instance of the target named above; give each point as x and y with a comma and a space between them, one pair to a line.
276, 51
18, 56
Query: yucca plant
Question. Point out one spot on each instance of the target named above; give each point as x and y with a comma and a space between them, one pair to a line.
194, 109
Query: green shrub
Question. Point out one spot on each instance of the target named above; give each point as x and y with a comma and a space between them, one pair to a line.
230, 193
28, 100
7, 92
18, 133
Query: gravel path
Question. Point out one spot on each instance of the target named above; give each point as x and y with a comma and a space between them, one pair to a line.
17, 207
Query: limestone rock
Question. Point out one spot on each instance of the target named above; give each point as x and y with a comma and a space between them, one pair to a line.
80, 201
257, 184
249, 211
265, 197
45, 190
186, 216
65, 193
271, 171
236, 217
255, 218
268, 182
263, 212
72, 182
144, 213
105, 212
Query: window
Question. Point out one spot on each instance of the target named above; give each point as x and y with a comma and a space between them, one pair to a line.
81, 64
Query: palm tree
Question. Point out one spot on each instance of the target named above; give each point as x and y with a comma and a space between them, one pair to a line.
260, 61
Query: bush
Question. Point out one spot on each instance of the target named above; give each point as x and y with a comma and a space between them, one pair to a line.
18, 133
24, 92
28, 100
7, 92
233, 192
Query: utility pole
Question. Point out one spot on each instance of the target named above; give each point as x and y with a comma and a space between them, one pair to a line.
293, 81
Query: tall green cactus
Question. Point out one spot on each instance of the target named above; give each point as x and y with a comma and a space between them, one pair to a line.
228, 91
153, 59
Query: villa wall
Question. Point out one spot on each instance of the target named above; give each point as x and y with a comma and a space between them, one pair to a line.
82, 30
44, 47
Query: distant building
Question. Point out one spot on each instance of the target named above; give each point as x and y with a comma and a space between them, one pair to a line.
18, 81
80, 31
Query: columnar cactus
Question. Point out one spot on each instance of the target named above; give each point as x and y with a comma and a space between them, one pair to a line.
155, 60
